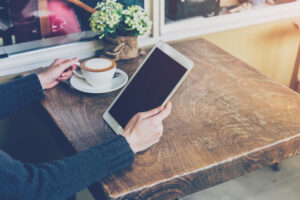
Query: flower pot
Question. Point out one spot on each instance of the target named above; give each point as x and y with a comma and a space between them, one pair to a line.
121, 48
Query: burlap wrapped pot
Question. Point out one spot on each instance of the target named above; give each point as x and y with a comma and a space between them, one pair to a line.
121, 48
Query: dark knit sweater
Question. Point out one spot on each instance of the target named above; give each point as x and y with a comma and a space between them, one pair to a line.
58, 179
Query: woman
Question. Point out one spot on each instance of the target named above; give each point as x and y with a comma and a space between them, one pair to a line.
64, 178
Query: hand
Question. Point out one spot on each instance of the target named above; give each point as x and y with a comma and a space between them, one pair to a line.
59, 71
145, 128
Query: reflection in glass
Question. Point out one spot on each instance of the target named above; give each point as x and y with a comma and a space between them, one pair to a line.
182, 9
46, 22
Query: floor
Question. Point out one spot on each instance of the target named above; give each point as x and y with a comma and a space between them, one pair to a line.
263, 184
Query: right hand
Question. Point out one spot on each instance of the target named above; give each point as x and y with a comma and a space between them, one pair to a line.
145, 128
59, 71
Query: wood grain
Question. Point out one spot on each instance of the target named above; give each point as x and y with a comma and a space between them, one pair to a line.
227, 120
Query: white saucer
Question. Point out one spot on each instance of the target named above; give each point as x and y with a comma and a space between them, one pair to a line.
118, 81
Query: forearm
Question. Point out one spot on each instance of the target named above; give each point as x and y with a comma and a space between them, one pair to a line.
18, 93
61, 179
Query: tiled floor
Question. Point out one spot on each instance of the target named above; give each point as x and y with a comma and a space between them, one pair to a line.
84, 195
263, 184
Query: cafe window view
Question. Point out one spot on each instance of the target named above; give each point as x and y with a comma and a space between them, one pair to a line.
183, 9
32, 24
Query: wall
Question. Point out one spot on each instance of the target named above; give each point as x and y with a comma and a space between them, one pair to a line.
271, 47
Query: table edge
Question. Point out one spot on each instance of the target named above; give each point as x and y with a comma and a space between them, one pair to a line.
275, 148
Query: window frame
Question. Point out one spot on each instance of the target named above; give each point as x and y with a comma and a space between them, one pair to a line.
198, 26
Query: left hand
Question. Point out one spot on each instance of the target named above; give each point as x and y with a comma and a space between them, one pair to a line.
59, 71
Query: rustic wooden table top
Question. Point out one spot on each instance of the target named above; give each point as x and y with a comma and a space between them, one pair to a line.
227, 120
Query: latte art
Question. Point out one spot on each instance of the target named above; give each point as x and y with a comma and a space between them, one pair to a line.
98, 72
98, 63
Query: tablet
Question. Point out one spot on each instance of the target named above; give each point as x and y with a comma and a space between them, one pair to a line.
152, 85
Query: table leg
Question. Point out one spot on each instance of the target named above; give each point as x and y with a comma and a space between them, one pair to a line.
276, 166
97, 191
294, 79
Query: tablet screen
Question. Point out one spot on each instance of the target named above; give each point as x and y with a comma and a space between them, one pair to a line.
149, 88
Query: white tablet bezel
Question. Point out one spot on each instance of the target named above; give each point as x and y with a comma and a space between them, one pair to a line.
175, 55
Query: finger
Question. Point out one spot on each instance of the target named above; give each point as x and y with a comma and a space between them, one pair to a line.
164, 113
161, 133
63, 79
131, 123
74, 67
158, 134
152, 112
155, 141
68, 63
67, 73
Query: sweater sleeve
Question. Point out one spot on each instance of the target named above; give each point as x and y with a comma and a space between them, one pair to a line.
64, 178
18, 93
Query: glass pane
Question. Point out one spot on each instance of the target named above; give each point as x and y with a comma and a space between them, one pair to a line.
32, 24
183, 9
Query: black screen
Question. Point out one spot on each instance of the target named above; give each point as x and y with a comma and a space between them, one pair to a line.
149, 88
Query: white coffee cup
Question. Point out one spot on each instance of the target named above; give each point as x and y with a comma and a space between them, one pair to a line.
98, 72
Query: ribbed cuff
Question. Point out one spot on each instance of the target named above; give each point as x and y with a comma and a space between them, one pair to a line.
29, 88
106, 158
101, 161
63, 178
118, 154
18, 93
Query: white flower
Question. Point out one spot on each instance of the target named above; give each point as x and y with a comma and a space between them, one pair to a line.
111, 18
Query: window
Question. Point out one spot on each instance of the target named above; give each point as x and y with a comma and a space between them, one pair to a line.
33, 24
187, 18
182, 9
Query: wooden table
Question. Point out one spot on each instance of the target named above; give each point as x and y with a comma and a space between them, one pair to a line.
227, 120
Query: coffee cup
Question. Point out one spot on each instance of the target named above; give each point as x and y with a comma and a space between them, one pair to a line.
98, 72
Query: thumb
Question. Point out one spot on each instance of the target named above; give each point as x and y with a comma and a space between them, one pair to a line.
152, 112
164, 113
68, 63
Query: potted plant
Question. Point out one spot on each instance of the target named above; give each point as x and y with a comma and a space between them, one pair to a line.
120, 28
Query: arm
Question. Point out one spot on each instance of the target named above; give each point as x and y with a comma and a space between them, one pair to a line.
63, 178
18, 93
